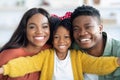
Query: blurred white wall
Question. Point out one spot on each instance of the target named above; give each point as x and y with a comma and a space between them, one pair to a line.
12, 11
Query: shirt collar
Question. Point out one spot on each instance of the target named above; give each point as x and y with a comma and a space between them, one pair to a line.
108, 44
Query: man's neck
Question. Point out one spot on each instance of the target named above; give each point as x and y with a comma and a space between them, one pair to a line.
97, 50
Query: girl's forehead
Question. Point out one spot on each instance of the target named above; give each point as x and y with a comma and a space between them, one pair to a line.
60, 28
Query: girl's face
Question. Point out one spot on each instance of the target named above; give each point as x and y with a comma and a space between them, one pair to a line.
61, 40
38, 30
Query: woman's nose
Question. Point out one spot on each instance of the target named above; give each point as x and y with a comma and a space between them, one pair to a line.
39, 30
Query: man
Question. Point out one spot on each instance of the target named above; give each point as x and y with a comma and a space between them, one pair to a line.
89, 36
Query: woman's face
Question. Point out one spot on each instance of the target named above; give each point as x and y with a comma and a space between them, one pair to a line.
38, 30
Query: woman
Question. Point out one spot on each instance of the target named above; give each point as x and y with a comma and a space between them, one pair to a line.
30, 37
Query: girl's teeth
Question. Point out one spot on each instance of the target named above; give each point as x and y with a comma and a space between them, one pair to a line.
62, 46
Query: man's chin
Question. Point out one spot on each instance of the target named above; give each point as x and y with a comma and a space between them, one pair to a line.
86, 48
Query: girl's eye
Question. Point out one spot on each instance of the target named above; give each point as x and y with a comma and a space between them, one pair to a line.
67, 36
56, 37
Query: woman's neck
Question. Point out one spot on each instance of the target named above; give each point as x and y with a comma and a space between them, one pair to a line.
33, 49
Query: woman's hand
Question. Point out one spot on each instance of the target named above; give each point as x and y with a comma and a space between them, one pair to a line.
1, 70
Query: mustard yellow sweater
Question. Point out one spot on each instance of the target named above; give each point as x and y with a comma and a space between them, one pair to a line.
44, 62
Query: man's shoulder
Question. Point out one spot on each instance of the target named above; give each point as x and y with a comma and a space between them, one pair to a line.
75, 46
110, 39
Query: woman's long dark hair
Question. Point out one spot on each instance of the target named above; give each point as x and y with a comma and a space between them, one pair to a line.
19, 38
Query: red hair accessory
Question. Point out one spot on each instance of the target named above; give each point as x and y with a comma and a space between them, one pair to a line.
67, 15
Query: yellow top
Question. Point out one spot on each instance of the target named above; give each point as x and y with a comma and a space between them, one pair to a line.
44, 62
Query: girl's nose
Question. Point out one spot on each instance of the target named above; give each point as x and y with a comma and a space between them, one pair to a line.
61, 40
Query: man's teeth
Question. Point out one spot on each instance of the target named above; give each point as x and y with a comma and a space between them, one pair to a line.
85, 39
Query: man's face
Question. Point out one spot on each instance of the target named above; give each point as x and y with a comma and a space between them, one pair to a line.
87, 31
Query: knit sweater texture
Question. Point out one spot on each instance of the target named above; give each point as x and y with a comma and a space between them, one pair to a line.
44, 62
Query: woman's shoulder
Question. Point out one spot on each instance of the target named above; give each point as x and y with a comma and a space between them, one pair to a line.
15, 50
46, 46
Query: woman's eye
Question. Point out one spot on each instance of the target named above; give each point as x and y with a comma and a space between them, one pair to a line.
45, 26
31, 26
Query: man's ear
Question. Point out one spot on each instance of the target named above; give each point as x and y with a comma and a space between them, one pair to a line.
101, 28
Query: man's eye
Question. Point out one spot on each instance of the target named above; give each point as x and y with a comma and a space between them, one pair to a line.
87, 27
75, 29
